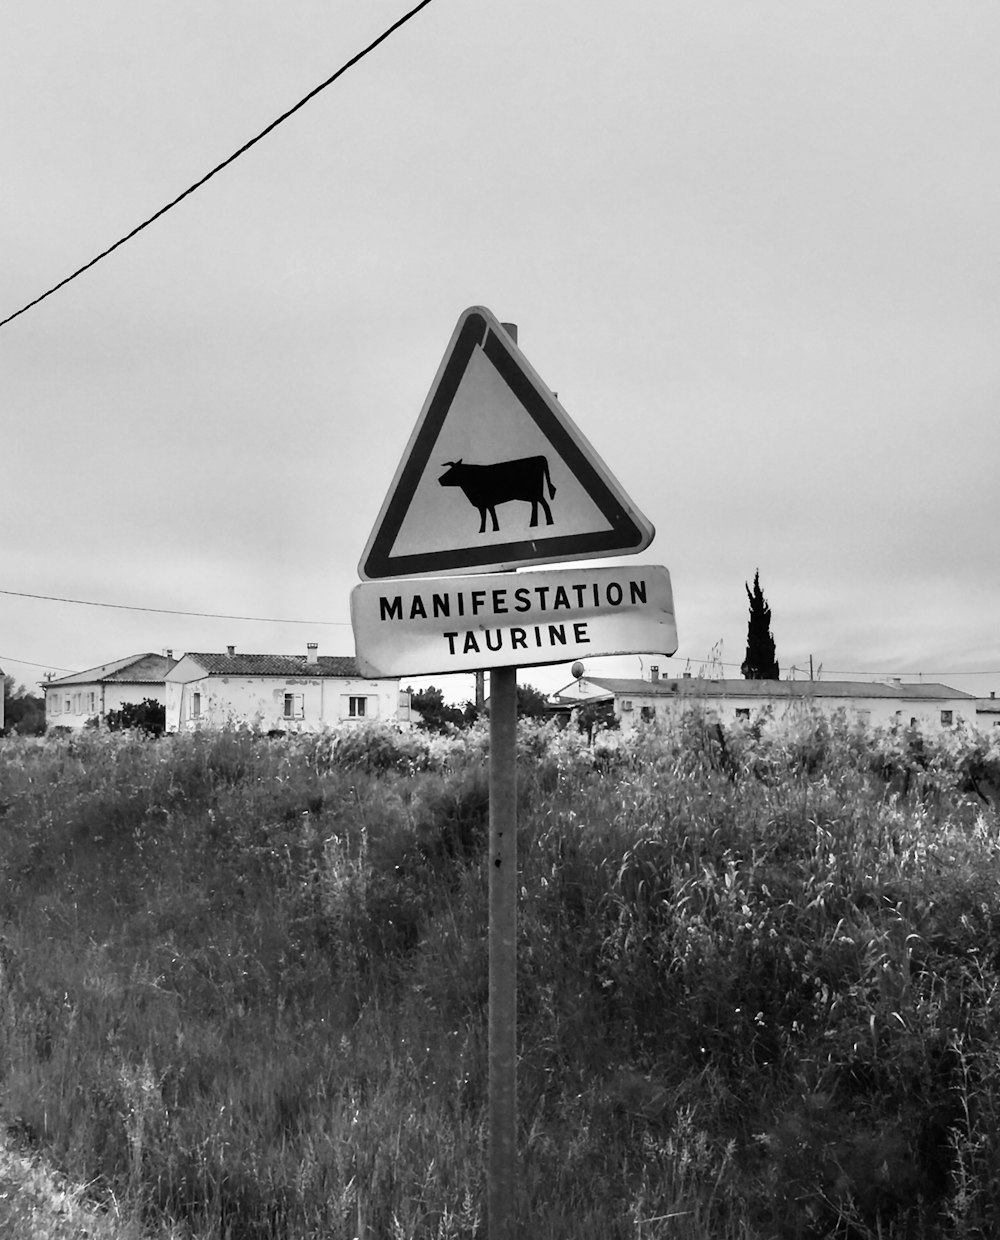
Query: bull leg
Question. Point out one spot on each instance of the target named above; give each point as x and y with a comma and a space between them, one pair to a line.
482, 518
534, 512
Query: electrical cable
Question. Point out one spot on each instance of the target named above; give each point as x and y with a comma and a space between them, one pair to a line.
9, 658
214, 615
226, 162
170, 611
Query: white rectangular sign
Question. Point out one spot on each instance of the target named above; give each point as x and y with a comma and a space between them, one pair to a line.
433, 625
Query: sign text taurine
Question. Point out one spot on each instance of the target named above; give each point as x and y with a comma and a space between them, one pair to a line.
439, 625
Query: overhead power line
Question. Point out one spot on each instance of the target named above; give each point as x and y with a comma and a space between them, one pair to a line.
169, 611
988, 671
9, 658
215, 615
226, 162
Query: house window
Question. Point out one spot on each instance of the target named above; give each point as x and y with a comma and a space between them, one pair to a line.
91, 702
742, 712
947, 718
294, 706
67, 705
53, 704
648, 713
357, 707
627, 704
195, 705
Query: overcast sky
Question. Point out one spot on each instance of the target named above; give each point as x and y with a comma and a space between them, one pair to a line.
754, 247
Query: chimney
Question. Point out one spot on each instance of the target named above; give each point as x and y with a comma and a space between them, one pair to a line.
312, 652
170, 654
654, 673
230, 650
993, 693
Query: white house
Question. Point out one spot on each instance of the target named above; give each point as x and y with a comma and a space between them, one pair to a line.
988, 711
71, 700
930, 706
277, 692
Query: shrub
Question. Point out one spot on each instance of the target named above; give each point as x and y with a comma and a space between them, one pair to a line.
146, 716
244, 979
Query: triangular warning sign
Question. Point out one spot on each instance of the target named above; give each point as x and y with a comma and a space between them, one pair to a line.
496, 475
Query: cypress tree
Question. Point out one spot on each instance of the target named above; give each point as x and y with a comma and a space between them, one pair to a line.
760, 662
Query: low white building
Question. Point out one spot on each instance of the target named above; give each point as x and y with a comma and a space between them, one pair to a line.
72, 700
929, 706
277, 692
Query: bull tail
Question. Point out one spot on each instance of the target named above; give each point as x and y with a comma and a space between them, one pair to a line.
546, 478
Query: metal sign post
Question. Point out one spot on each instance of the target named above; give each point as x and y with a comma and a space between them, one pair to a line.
503, 955
501, 1205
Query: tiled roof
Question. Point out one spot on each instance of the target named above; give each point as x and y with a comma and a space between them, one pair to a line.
340, 665
136, 669
790, 689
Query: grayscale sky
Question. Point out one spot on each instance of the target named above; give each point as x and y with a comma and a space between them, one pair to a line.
754, 247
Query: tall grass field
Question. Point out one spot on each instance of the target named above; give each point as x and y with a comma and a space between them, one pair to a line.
243, 981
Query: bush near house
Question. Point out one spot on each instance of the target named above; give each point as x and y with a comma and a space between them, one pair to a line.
147, 716
243, 980
23, 713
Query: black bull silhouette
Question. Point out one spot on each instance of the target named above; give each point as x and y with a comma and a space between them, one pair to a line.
485, 486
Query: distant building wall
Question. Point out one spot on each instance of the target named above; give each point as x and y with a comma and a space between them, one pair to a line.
988, 712
273, 703
930, 707
633, 709
70, 706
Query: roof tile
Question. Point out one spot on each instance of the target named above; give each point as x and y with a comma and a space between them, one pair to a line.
693, 686
137, 669
276, 664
